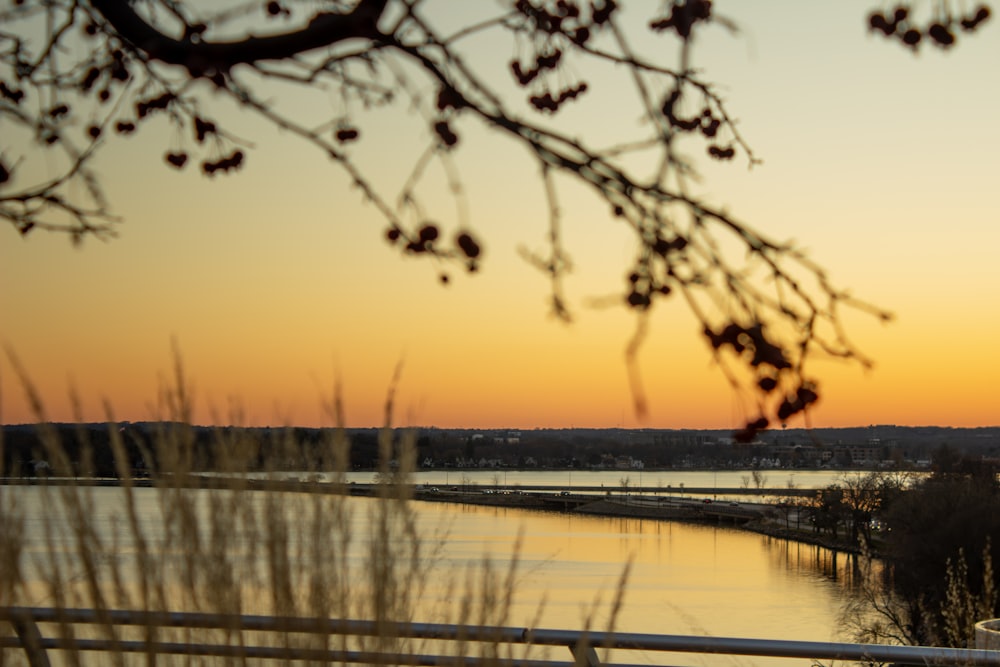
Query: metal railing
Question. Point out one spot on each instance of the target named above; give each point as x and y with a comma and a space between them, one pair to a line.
457, 644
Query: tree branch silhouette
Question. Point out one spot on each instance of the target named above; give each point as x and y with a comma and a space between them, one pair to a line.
763, 307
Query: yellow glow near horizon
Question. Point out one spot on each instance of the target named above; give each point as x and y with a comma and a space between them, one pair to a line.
276, 283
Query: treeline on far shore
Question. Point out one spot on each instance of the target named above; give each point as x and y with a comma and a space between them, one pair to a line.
26, 447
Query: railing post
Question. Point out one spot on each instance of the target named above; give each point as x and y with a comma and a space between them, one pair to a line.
584, 654
31, 640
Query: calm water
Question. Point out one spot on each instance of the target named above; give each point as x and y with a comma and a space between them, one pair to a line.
684, 579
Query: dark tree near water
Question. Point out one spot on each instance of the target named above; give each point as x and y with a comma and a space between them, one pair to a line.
77, 75
943, 533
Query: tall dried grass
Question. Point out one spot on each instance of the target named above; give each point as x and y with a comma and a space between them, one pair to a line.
166, 544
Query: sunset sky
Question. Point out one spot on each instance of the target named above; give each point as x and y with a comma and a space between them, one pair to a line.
276, 282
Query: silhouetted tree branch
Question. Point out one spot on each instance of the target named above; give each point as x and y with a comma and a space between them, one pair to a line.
760, 302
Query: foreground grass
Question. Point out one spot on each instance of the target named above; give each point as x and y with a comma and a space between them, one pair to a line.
231, 550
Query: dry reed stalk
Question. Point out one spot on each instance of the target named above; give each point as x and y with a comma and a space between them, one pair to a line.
231, 549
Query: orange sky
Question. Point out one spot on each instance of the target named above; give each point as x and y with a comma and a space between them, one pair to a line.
275, 282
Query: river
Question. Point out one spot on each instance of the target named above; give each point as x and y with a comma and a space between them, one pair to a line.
683, 579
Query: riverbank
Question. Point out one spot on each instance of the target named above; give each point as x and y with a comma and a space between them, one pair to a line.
760, 518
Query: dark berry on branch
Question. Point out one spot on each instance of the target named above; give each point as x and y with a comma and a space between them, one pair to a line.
638, 300
702, 9
89, 79
94, 131
544, 102
447, 137
730, 335
144, 108
749, 432
765, 352
177, 160
571, 93
686, 125
428, 233
568, 9
982, 13
523, 78
602, 14
806, 396
124, 127
468, 245
119, 71
788, 408
878, 22
347, 134
721, 153
940, 34
911, 37
224, 164
392, 234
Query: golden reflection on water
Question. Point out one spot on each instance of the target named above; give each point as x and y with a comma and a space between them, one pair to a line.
685, 579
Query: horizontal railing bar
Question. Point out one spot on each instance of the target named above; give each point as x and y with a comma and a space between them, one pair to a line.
778, 648
284, 653
280, 653
919, 655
